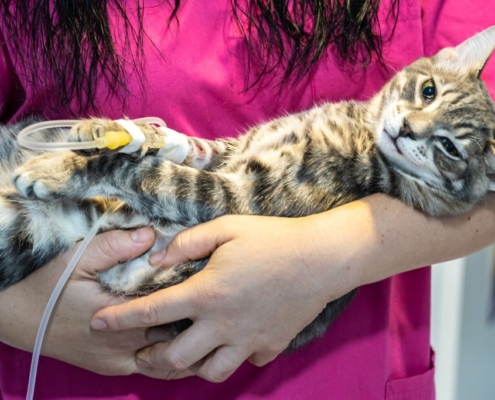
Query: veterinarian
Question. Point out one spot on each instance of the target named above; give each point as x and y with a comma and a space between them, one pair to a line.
268, 277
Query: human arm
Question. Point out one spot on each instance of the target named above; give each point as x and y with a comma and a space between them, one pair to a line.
242, 312
69, 337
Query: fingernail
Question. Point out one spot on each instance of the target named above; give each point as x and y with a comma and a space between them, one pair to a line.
142, 235
156, 258
98, 324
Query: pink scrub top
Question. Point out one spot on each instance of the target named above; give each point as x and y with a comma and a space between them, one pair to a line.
379, 348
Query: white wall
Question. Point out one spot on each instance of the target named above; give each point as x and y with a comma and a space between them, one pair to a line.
463, 327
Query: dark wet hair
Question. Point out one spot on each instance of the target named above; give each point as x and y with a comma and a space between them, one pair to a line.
73, 41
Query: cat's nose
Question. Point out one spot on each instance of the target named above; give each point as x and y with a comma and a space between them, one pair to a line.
406, 131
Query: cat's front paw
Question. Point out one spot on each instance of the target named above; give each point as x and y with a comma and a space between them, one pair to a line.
97, 128
90, 130
46, 176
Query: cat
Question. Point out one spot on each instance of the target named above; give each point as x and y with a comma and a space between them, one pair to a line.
427, 138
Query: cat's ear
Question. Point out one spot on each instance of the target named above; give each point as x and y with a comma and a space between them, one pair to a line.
490, 161
471, 55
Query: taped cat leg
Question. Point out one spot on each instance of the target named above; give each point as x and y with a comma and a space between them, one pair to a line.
200, 153
97, 128
209, 154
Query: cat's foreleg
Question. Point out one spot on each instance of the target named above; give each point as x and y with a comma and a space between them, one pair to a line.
158, 189
209, 154
203, 154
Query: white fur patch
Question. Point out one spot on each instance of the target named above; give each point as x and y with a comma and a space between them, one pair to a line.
128, 277
7, 214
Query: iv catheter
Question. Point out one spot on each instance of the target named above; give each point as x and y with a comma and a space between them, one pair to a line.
112, 140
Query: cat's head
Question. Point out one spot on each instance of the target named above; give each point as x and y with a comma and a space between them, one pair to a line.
437, 125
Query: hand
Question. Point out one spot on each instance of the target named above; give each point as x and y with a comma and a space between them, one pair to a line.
69, 337
256, 293
268, 277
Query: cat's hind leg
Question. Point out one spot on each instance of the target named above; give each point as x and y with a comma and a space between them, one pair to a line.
33, 232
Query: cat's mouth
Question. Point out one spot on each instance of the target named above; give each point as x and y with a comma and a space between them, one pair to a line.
393, 140
397, 147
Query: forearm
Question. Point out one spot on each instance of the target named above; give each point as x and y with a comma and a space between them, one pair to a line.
69, 337
389, 237
9, 330
269, 277
21, 307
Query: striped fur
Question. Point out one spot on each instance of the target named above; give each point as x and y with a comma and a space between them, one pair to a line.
398, 143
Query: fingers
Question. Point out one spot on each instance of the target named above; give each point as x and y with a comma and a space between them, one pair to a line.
162, 307
221, 364
192, 244
215, 366
110, 248
176, 359
192, 345
159, 334
155, 369
261, 359
164, 374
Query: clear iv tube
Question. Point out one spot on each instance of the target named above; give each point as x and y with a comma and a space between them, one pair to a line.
55, 295
66, 123
33, 145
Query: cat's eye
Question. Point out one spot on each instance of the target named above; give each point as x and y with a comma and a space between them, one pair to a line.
429, 91
449, 147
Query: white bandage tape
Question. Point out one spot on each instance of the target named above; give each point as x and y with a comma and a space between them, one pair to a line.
176, 146
137, 136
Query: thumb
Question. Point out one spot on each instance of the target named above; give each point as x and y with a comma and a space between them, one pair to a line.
110, 248
194, 243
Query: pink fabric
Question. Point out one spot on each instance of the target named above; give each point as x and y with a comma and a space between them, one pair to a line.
379, 347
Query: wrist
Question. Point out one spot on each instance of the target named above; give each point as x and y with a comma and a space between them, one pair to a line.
326, 246
377, 237
22, 305
12, 311
362, 240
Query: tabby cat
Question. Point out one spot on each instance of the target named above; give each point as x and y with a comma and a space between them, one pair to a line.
426, 138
